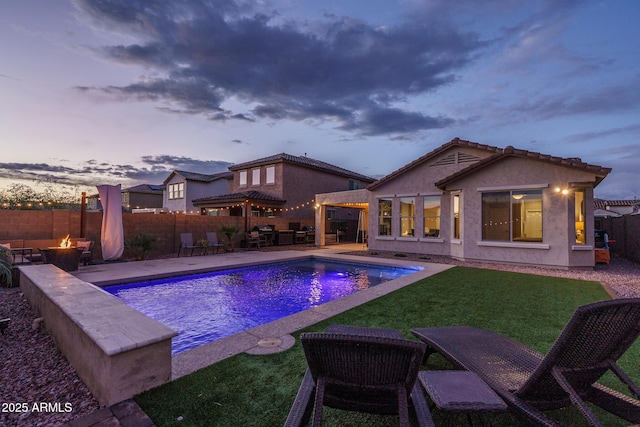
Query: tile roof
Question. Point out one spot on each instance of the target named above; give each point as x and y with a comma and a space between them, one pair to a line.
201, 177
303, 161
571, 162
239, 197
145, 188
456, 142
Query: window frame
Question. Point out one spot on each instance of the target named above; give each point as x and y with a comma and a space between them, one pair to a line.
514, 222
270, 174
410, 218
438, 218
385, 218
242, 178
175, 191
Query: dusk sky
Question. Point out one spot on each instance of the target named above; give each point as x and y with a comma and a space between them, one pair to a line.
126, 91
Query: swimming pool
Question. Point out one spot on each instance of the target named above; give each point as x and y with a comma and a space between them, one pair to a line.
205, 307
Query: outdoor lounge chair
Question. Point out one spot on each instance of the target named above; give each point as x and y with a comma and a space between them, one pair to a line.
360, 369
593, 340
186, 243
212, 241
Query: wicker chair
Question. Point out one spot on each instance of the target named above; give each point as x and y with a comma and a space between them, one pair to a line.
361, 369
590, 344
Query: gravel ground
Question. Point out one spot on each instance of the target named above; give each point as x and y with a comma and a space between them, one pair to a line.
34, 372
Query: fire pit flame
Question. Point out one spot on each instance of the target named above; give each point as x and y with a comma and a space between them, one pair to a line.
66, 242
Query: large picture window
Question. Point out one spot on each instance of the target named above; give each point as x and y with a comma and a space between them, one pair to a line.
512, 216
431, 215
385, 212
407, 216
175, 191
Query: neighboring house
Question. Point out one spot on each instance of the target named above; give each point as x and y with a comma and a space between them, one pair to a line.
182, 187
142, 196
282, 185
617, 207
136, 197
482, 203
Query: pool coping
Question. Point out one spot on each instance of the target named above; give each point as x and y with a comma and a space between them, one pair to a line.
264, 339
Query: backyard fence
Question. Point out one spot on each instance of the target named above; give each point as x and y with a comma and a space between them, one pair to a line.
31, 225
625, 230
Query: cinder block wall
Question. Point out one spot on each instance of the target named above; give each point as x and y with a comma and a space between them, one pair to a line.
23, 224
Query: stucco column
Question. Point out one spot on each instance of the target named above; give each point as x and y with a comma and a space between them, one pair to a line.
320, 225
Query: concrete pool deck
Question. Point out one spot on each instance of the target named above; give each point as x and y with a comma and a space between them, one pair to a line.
265, 339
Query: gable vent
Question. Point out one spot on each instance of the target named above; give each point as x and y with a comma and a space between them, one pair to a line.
466, 157
448, 160
456, 158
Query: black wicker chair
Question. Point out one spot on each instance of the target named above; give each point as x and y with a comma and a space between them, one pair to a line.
590, 344
361, 369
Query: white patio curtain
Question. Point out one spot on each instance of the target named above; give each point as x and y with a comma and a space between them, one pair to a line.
112, 234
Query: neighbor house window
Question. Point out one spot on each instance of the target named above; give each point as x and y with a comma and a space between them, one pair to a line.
431, 215
243, 179
176, 191
407, 216
384, 217
512, 216
271, 174
456, 216
580, 214
353, 185
255, 177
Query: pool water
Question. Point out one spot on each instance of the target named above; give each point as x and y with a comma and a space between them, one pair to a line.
205, 307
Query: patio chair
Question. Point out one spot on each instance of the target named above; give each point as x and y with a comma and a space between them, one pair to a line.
360, 369
593, 340
87, 251
253, 239
186, 242
212, 241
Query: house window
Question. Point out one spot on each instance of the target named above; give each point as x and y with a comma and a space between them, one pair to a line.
243, 179
456, 217
580, 214
213, 212
431, 215
271, 174
407, 216
512, 216
354, 185
384, 217
176, 191
255, 177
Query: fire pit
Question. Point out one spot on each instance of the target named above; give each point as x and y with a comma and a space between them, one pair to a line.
65, 257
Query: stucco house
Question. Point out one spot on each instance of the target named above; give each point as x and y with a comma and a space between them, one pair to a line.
281, 185
136, 197
181, 187
482, 203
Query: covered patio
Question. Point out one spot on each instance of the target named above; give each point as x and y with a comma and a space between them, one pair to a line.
330, 217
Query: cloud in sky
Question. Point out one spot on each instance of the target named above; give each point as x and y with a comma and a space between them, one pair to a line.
150, 169
339, 69
366, 87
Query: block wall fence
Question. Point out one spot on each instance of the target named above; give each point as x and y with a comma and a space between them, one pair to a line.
625, 230
31, 225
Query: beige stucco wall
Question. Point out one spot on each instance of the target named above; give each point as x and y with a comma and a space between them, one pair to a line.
558, 248
417, 182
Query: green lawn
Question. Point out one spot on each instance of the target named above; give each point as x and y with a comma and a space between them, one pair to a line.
247, 390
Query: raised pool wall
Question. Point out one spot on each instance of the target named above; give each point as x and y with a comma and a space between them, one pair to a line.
117, 351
